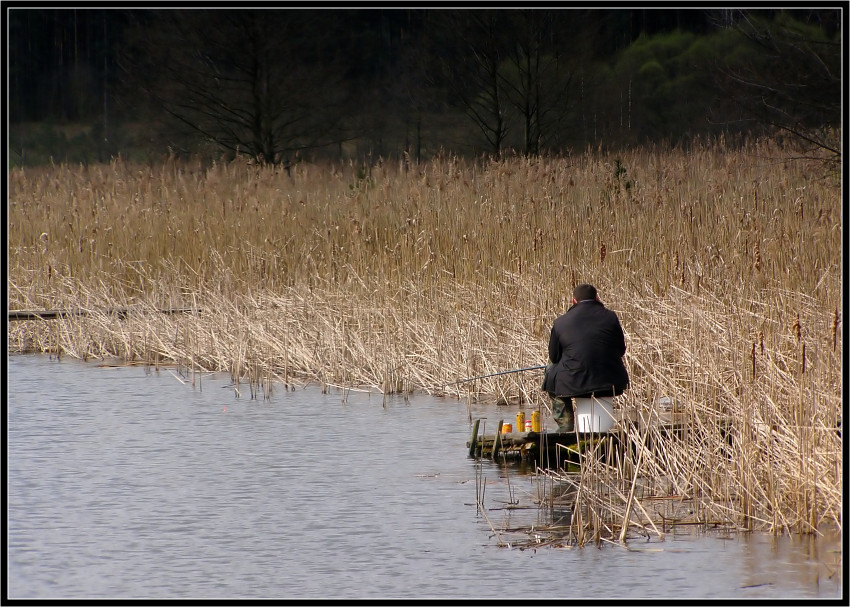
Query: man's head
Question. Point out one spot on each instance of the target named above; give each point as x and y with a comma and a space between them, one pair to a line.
583, 292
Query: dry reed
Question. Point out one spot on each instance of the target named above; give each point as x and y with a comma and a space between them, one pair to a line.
402, 280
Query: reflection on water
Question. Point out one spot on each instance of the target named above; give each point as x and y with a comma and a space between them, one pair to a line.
125, 483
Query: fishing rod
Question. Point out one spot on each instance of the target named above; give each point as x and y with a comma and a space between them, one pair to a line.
495, 374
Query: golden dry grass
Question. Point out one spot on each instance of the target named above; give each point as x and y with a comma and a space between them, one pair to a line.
724, 266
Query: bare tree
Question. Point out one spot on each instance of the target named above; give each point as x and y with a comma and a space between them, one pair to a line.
535, 75
795, 87
259, 82
470, 49
509, 72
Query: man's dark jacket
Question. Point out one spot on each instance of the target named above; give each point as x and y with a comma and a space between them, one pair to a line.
587, 347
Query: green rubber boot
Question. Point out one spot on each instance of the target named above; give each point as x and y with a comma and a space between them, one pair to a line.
562, 413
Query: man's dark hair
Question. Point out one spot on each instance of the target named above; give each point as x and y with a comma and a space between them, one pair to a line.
584, 291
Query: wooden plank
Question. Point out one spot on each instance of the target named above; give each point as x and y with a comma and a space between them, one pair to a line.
497, 440
54, 314
473, 442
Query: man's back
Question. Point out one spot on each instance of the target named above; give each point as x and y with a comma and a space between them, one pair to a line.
587, 345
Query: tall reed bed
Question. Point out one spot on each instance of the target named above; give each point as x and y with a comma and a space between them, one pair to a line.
723, 264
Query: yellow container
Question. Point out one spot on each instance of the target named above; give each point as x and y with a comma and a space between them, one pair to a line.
535, 421
520, 421
507, 428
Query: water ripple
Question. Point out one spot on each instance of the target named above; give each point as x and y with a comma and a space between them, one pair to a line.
128, 484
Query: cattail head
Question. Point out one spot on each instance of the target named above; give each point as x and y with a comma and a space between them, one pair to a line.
753, 356
835, 323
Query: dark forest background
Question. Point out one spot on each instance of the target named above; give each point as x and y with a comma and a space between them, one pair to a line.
86, 85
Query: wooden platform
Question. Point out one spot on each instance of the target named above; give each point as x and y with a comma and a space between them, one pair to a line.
547, 448
554, 449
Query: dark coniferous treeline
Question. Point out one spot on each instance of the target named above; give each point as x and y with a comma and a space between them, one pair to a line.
278, 84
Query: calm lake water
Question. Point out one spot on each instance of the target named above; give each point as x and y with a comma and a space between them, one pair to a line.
127, 483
